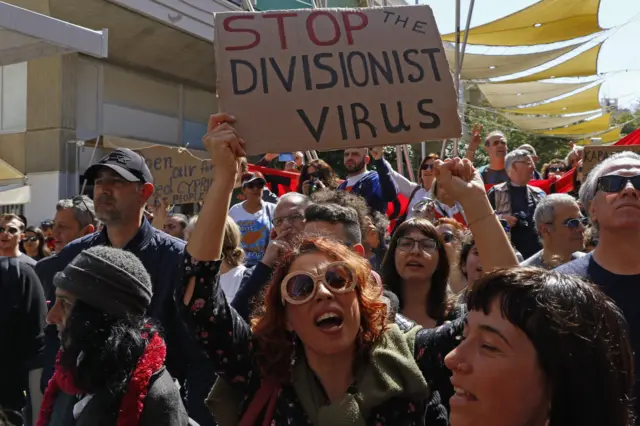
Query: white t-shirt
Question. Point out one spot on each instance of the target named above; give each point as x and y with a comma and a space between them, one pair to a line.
230, 281
254, 228
352, 180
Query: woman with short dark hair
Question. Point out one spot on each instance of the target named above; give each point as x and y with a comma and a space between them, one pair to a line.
541, 348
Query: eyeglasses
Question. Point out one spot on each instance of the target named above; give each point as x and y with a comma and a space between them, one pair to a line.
448, 237
300, 287
30, 239
426, 166
615, 183
9, 230
425, 245
576, 222
556, 169
292, 218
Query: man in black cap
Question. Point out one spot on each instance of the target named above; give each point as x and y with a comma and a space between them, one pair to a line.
122, 184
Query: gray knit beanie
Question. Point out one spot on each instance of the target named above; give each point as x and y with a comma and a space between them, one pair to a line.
111, 280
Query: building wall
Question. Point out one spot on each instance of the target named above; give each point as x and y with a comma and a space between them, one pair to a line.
115, 101
13, 98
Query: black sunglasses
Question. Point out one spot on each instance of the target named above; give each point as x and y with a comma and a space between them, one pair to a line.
426, 166
615, 183
30, 239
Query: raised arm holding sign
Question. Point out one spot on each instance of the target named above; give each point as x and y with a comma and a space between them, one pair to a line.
335, 78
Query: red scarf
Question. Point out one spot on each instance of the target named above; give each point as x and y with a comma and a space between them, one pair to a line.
132, 402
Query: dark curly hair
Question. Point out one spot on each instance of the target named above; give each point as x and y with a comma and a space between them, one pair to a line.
324, 171
274, 341
102, 350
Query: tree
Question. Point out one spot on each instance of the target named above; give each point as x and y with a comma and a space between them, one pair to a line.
630, 119
546, 147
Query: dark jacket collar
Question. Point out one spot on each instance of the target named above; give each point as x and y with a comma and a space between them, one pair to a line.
139, 241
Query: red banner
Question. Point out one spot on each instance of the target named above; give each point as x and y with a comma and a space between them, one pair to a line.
281, 182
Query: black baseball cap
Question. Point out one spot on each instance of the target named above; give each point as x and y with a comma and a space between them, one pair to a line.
252, 177
128, 164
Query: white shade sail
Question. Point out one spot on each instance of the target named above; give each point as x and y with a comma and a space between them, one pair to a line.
511, 95
546, 122
482, 67
15, 194
26, 35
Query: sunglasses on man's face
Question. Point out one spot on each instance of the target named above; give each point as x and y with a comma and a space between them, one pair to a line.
300, 287
576, 222
556, 169
615, 183
9, 230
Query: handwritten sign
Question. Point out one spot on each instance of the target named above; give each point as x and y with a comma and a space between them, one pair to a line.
334, 78
597, 154
179, 178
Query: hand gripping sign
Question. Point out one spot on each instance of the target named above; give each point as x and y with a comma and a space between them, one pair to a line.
323, 79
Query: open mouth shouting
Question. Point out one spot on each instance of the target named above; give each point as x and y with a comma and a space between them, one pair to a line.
329, 321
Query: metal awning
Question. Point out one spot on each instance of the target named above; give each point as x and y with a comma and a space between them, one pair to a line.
28, 35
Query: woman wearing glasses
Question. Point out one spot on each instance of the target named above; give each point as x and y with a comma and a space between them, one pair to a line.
416, 269
415, 192
34, 243
322, 352
305, 358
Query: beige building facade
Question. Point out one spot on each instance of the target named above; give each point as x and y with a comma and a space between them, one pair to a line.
156, 86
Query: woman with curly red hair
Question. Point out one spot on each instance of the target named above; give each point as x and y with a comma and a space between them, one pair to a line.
322, 351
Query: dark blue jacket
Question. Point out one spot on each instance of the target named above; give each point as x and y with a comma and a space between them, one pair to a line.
378, 188
162, 256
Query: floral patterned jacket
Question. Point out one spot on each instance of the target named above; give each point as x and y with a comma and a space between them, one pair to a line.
227, 340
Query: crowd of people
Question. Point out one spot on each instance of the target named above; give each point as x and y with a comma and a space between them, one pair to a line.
502, 307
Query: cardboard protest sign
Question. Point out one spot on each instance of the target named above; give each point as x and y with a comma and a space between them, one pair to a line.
321, 79
178, 177
597, 154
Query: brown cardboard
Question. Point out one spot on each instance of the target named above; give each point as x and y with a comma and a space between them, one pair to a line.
409, 71
178, 177
597, 154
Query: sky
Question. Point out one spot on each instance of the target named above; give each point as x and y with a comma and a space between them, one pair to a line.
618, 62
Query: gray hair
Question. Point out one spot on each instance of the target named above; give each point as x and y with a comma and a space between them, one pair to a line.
546, 209
575, 151
83, 209
588, 188
513, 156
296, 198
